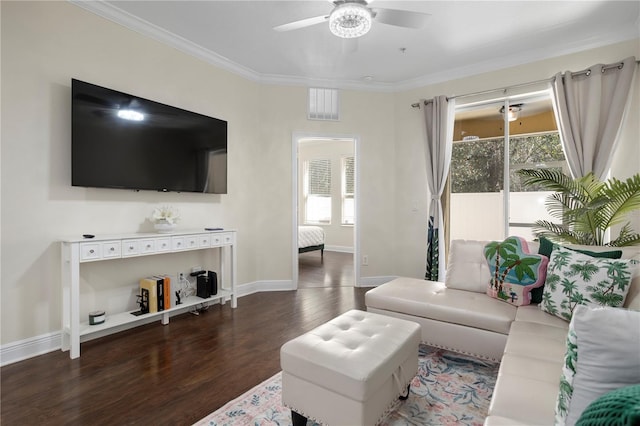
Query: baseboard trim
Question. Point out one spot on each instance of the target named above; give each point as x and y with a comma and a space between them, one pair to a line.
39, 345
375, 281
259, 286
340, 249
29, 348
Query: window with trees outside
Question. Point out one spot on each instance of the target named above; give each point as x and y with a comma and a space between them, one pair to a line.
348, 188
317, 191
484, 163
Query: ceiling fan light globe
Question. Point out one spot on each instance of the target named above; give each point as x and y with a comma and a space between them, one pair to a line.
350, 20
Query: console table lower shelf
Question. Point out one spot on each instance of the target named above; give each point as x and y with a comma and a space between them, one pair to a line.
124, 320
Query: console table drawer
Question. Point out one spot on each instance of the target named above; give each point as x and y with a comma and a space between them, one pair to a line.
227, 238
90, 251
204, 240
221, 239
147, 246
191, 242
98, 251
163, 245
139, 247
130, 248
178, 243
216, 240
111, 249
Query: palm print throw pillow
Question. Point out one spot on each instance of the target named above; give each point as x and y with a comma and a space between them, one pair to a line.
577, 279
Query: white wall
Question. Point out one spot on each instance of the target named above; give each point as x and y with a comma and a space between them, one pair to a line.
411, 224
367, 116
44, 45
337, 235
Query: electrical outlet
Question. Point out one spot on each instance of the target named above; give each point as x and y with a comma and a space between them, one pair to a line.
180, 276
365, 260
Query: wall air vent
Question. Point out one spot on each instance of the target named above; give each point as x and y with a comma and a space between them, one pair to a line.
323, 104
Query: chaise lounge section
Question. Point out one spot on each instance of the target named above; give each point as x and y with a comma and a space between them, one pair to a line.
458, 315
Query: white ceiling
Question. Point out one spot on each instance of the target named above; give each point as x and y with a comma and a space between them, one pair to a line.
460, 38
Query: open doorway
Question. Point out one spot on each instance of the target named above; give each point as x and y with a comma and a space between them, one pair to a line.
325, 200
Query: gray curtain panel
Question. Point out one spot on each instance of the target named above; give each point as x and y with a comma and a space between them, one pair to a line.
439, 116
589, 107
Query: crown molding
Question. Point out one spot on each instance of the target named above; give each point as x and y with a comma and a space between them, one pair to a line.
522, 58
155, 32
118, 16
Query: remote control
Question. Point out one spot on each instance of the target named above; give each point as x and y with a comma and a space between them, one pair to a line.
213, 229
88, 235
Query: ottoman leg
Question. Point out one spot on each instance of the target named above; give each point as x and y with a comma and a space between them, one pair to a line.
404, 397
298, 419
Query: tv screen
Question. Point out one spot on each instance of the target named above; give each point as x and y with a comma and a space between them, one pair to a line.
120, 140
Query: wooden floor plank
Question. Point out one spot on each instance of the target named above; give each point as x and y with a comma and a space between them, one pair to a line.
334, 270
174, 374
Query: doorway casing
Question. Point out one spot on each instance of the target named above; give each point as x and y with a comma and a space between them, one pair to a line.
295, 141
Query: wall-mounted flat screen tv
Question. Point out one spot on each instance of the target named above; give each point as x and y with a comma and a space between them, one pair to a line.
124, 141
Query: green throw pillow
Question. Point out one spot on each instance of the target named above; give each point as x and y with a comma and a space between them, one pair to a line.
620, 407
578, 279
546, 248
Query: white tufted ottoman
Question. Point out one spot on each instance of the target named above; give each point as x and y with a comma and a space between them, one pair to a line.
351, 370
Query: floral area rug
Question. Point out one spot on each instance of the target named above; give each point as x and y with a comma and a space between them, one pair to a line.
449, 389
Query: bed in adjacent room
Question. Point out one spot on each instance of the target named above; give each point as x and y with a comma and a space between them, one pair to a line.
311, 238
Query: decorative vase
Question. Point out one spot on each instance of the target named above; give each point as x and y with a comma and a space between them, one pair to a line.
164, 227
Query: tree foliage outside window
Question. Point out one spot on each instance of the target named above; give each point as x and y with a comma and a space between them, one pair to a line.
478, 165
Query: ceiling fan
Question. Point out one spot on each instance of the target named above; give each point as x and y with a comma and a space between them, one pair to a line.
353, 18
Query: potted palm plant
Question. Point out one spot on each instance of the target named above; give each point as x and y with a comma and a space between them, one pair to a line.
586, 207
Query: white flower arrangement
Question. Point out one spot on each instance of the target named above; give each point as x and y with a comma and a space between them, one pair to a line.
166, 214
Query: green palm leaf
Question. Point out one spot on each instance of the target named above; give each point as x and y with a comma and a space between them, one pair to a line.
626, 237
586, 207
555, 233
622, 197
551, 180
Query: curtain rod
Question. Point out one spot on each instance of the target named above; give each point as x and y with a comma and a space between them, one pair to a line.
586, 72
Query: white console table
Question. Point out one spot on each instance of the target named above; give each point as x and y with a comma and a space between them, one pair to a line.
110, 247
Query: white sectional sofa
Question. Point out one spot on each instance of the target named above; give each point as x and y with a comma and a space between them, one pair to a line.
458, 315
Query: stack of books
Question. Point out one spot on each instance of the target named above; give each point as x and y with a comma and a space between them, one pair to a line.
156, 291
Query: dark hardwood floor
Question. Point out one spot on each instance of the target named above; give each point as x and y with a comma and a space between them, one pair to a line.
335, 270
168, 375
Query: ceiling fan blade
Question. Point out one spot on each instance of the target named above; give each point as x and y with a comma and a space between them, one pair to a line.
401, 18
302, 23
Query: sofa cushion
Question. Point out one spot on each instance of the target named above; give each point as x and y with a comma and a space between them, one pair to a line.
515, 271
533, 313
533, 368
601, 355
546, 248
467, 268
524, 399
536, 340
577, 279
433, 300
